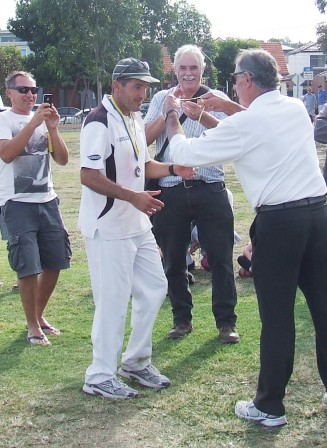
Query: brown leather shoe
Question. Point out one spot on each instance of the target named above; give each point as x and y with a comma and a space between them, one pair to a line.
180, 330
228, 335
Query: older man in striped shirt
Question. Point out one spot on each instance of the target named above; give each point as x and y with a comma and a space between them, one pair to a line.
202, 200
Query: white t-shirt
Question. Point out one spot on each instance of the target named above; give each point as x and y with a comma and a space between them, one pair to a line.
28, 177
271, 146
106, 146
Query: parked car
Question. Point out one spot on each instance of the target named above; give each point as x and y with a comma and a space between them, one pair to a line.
144, 108
83, 113
70, 115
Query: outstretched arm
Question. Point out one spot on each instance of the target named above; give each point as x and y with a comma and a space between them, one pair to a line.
213, 102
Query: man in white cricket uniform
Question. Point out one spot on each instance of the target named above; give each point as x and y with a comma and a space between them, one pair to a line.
123, 257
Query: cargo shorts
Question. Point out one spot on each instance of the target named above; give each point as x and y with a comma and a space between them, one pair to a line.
37, 238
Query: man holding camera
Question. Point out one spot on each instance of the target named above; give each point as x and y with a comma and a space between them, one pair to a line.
38, 243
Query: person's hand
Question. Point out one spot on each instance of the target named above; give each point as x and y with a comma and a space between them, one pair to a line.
171, 102
213, 102
146, 202
184, 171
193, 110
42, 113
52, 120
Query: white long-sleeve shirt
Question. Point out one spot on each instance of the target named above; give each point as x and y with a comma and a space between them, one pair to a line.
271, 146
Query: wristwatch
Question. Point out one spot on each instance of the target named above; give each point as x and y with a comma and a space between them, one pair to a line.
171, 169
165, 114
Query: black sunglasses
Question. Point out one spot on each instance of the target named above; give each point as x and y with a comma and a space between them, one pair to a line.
136, 65
234, 75
23, 89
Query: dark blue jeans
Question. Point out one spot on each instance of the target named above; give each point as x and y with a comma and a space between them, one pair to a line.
289, 251
207, 205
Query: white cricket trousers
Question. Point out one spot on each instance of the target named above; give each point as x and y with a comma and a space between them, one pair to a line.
120, 270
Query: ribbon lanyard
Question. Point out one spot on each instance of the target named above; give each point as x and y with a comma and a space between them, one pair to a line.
129, 130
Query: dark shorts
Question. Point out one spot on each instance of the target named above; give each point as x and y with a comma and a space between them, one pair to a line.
37, 238
3, 227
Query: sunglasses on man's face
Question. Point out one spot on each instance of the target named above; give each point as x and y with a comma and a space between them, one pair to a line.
24, 90
235, 74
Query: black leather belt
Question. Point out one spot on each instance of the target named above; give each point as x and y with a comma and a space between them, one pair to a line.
292, 204
196, 183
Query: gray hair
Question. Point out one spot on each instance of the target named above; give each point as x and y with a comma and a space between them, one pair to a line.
10, 81
193, 49
261, 65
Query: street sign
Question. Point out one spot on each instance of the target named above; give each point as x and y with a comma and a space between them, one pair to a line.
308, 73
298, 80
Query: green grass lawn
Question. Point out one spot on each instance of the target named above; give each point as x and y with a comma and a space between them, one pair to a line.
41, 403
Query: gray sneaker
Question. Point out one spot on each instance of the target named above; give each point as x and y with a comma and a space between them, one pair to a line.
148, 377
113, 388
247, 411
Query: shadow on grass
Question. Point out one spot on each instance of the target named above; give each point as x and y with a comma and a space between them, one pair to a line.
257, 436
65, 417
9, 295
11, 353
187, 360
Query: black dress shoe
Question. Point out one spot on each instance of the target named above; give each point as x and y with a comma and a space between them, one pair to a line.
228, 335
180, 330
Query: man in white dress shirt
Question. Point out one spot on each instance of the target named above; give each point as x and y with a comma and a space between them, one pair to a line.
269, 139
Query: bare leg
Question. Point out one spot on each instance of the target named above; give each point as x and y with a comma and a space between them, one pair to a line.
35, 291
47, 281
28, 290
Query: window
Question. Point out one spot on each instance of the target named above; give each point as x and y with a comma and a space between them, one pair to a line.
8, 39
317, 60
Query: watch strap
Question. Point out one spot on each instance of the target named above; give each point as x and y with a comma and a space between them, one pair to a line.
171, 170
169, 112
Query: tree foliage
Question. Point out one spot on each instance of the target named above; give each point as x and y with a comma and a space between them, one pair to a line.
187, 26
77, 37
156, 20
321, 4
224, 62
322, 27
322, 37
86, 38
10, 60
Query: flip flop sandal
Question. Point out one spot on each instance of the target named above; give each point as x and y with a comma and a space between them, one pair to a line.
38, 340
50, 330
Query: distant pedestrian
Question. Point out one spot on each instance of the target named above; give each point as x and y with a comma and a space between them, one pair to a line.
320, 134
321, 98
310, 102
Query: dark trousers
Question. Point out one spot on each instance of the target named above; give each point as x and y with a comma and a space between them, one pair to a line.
289, 250
208, 206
